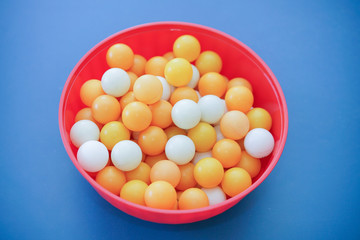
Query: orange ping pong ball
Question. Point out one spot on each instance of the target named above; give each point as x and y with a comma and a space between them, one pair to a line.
259, 118
133, 78
161, 114
148, 89
183, 93
151, 160
142, 172
238, 81
228, 152
169, 56
120, 56
136, 116
234, 125
138, 66
165, 170
208, 61
250, 164
85, 114
173, 130
193, 198
152, 140
161, 195
134, 191
235, 181
239, 98
178, 72
105, 108
155, 66
188, 47
90, 90
187, 179
111, 178
127, 98
208, 172
212, 83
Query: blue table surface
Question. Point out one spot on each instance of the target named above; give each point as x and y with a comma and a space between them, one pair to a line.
313, 48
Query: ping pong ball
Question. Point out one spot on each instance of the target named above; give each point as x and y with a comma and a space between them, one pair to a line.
208, 61
193, 198
234, 125
115, 82
178, 72
204, 137
111, 178
92, 156
126, 155
83, 131
165, 170
155, 66
212, 83
212, 108
239, 98
188, 47
138, 66
112, 133
200, 155
208, 172
215, 195
136, 116
105, 108
134, 191
166, 88
259, 143
90, 90
180, 149
186, 114
235, 181
187, 179
148, 89
160, 194
152, 140
219, 134
195, 77
120, 55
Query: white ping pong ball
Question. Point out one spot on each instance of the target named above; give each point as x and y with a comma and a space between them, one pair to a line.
180, 149
83, 131
186, 114
115, 82
200, 155
126, 155
219, 134
212, 108
215, 195
195, 77
93, 156
166, 88
259, 143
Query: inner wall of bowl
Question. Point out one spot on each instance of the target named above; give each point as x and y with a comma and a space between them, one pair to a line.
156, 41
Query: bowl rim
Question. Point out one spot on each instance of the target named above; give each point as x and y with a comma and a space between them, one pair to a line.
231, 201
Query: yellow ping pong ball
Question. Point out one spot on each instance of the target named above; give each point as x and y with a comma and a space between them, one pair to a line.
178, 72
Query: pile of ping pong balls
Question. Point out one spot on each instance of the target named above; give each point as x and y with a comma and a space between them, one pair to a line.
170, 132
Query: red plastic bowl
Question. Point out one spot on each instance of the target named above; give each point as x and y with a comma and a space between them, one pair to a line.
156, 39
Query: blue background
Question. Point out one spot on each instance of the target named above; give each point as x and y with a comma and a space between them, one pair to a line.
311, 46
